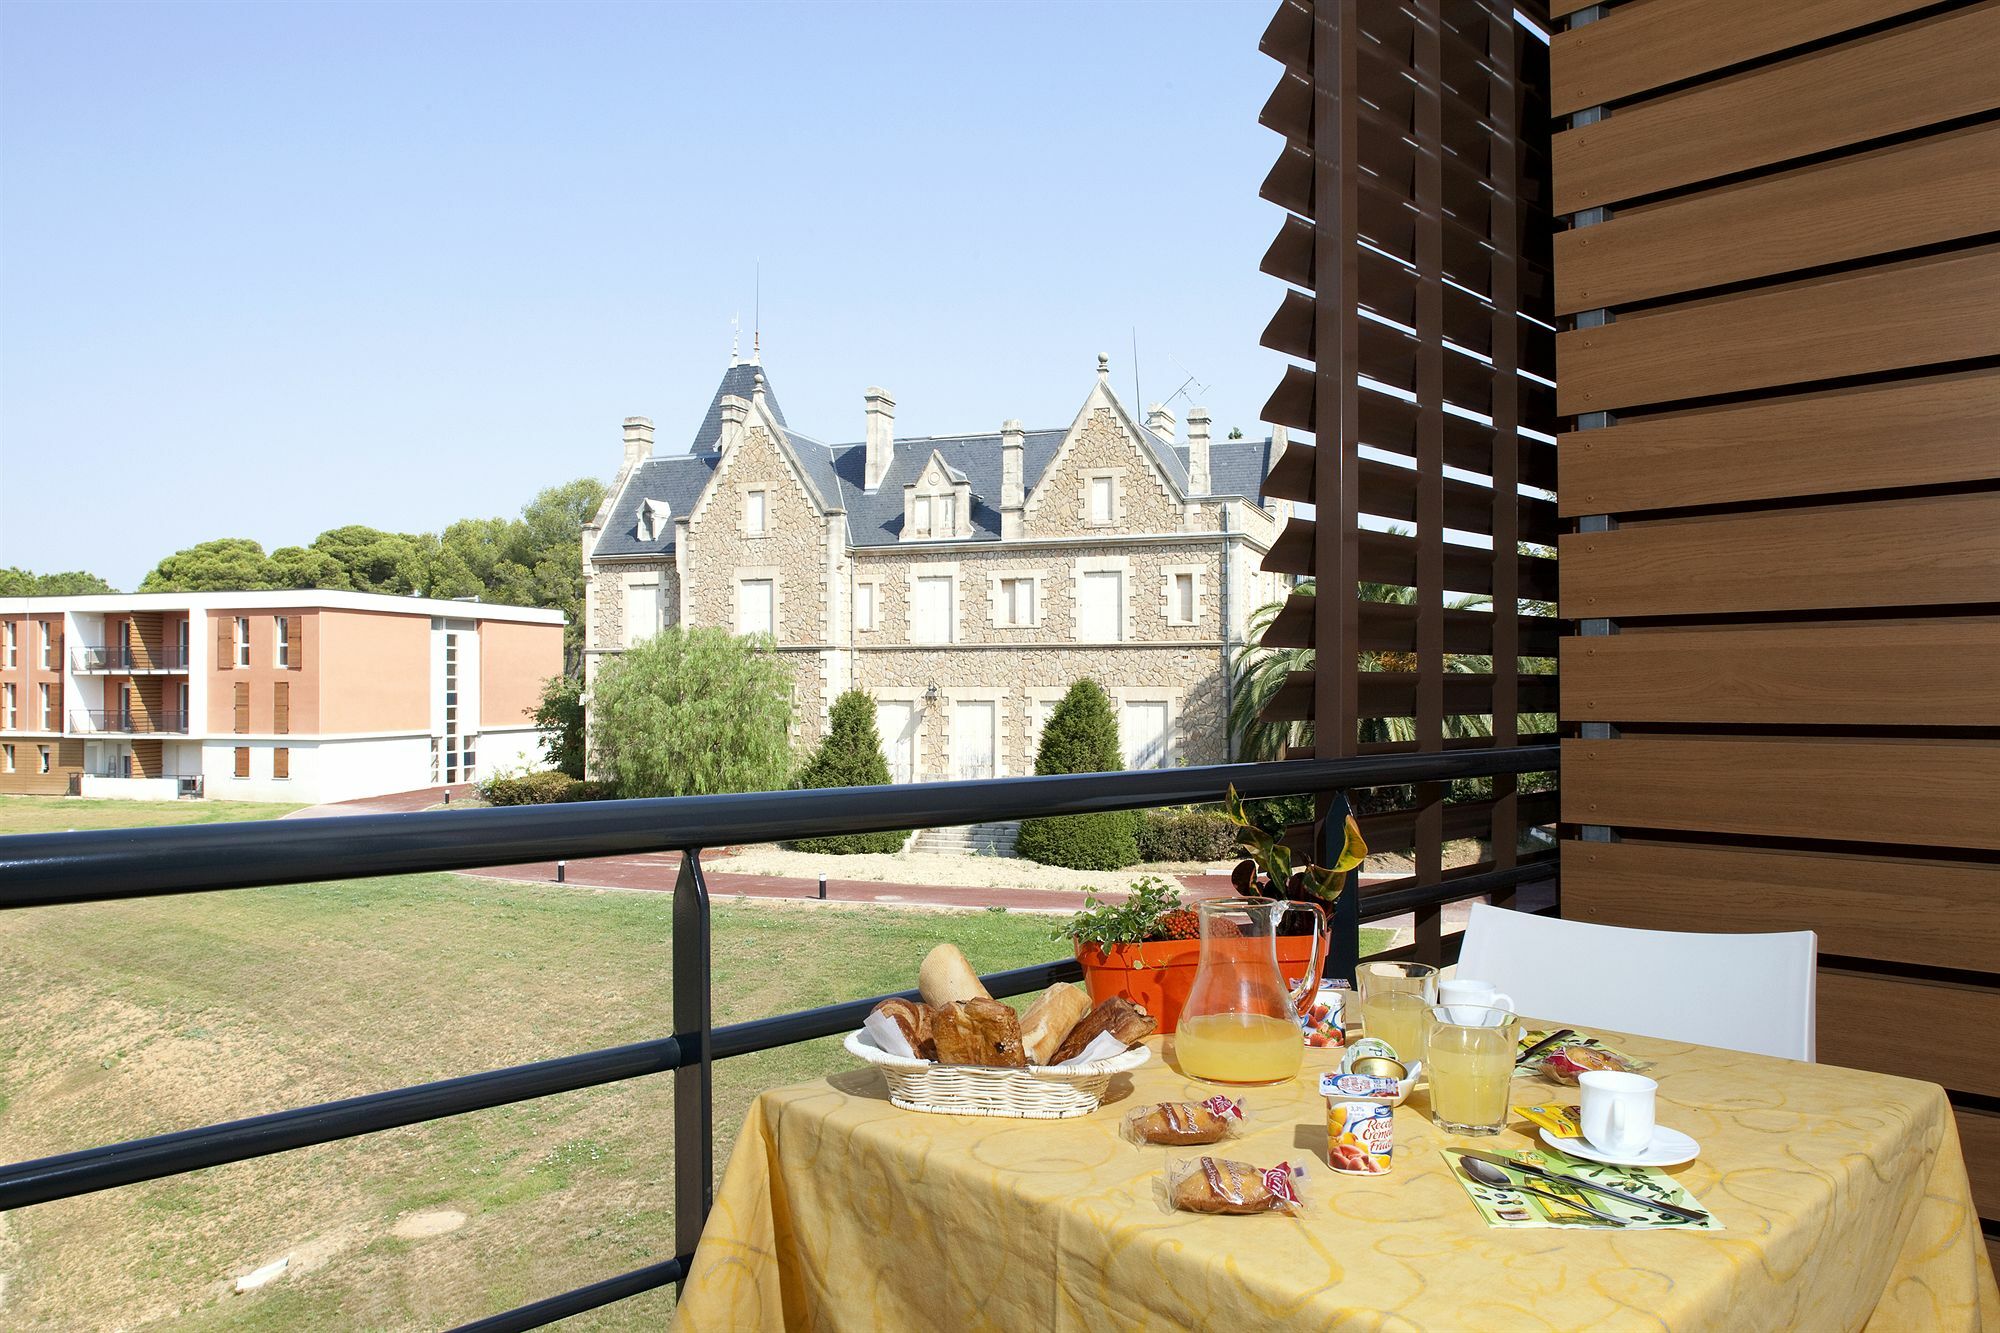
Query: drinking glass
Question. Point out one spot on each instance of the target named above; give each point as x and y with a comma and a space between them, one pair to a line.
1395, 1001
1469, 1060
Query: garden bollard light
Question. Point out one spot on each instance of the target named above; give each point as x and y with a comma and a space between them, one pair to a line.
822, 886
562, 869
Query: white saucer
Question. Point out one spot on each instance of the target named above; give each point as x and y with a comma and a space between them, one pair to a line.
1669, 1147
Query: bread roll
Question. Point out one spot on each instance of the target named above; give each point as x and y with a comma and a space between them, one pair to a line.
1050, 1019
1118, 1016
1178, 1123
978, 1032
914, 1021
1217, 1185
946, 978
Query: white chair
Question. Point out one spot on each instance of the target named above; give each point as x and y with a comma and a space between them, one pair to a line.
1740, 992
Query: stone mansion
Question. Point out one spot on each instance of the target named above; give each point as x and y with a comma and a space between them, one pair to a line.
964, 581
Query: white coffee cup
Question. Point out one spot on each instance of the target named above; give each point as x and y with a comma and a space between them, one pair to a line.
1617, 1111
1469, 995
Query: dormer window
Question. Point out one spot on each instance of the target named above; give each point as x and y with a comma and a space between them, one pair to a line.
937, 505
654, 515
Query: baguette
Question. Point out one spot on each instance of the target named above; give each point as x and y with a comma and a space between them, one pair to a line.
1050, 1019
1118, 1016
946, 978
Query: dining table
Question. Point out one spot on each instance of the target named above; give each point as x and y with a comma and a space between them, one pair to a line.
1841, 1196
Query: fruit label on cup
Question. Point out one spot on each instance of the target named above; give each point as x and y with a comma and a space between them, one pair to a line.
1360, 1137
1322, 1018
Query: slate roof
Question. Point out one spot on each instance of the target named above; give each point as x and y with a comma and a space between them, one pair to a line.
837, 472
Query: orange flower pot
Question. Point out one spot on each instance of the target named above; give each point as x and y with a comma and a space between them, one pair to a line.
1158, 976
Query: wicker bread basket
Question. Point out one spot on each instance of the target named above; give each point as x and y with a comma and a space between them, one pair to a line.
1034, 1093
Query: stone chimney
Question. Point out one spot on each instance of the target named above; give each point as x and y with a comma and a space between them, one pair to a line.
638, 441
1013, 493
1160, 421
881, 436
1198, 475
735, 411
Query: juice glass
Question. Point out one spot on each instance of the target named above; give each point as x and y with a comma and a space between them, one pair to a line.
1469, 1061
1395, 1003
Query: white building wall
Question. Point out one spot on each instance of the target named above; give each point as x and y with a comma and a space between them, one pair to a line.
321, 769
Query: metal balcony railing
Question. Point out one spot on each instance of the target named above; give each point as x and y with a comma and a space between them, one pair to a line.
42, 870
120, 657
123, 721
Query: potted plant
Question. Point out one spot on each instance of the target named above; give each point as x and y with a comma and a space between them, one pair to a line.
1148, 947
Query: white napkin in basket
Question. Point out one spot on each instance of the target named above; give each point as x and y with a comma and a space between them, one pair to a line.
887, 1035
1102, 1047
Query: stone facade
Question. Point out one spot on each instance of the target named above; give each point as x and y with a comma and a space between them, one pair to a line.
909, 590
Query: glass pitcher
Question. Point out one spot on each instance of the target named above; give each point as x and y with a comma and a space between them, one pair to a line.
1240, 1024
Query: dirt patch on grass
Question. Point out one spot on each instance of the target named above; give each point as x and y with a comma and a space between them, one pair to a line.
435, 1222
984, 872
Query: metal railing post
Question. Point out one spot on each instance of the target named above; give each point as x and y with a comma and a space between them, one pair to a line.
694, 1085
1343, 957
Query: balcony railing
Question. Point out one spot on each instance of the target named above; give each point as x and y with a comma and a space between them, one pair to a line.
119, 721
40, 870
120, 657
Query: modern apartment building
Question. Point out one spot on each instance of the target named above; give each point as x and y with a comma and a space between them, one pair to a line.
266, 696
965, 581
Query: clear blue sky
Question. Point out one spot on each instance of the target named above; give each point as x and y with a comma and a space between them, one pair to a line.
268, 269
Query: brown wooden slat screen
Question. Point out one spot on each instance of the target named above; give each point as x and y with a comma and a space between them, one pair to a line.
242, 761
1782, 260
225, 643
242, 702
1417, 254
281, 707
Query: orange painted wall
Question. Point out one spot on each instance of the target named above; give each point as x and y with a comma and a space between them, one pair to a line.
376, 670
28, 673
515, 660
264, 673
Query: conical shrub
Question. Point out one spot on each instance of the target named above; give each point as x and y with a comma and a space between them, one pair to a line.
850, 756
1081, 736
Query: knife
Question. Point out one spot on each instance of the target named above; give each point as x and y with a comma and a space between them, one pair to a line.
1578, 1182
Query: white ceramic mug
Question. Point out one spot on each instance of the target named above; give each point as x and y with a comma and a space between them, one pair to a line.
1617, 1111
1467, 995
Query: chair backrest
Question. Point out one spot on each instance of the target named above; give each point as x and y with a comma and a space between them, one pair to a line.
1740, 992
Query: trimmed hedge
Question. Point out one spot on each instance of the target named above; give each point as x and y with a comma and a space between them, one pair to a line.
544, 788
1081, 736
1185, 835
850, 756
1081, 842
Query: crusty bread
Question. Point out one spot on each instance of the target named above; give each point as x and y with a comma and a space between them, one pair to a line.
914, 1021
1050, 1019
978, 1032
1118, 1016
946, 978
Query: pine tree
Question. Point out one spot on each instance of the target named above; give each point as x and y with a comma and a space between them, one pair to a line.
1081, 736
850, 756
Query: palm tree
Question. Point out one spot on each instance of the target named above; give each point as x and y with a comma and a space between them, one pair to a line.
1260, 672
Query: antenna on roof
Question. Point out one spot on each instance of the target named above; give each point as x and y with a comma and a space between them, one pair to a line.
1137, 397
1182, 392
735, 337
757, 317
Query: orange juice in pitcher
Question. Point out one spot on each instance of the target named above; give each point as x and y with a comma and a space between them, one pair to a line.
1241, 1022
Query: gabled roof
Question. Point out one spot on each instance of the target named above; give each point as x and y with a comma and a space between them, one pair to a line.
875, 518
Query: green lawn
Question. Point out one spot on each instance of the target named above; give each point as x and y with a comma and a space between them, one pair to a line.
59, 814
134, 1018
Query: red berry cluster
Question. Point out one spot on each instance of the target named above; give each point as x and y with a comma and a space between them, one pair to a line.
1180, 924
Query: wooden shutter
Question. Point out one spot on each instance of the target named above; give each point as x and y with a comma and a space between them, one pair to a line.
242, 761
1780, 280
242, 707
281, 762
1415, 176
225, 643
281, 707
293, 659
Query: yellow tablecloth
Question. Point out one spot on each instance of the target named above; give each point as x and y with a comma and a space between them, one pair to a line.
1844, 1197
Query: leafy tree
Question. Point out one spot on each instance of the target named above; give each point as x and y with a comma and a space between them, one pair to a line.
692, 712
1081, 736
306, 567
228, 564
850, 756
374, 560
560, 717
16, 582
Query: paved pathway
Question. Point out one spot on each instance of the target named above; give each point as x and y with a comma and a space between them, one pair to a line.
657, 871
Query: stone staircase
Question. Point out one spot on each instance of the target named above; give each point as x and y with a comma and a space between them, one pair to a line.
969, 840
